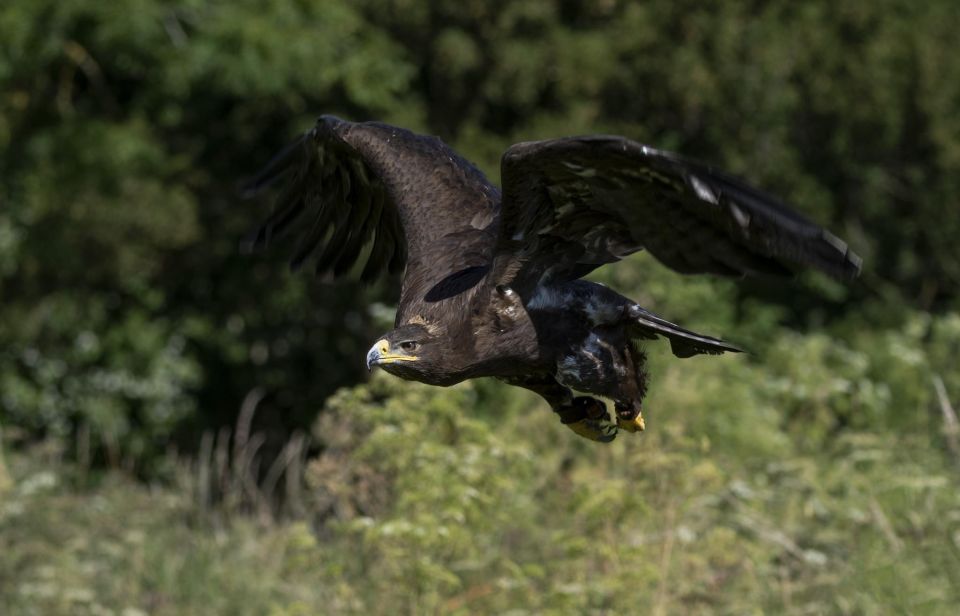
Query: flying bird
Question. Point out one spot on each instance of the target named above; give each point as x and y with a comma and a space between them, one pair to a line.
492, 277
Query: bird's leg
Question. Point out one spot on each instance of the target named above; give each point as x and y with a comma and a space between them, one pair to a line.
586, 416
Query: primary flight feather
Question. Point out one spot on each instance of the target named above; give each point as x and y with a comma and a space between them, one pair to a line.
491, 279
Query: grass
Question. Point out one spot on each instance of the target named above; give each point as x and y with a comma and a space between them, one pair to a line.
417, 507
818, 478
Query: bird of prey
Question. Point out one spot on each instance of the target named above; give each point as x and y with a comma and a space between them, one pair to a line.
492, 276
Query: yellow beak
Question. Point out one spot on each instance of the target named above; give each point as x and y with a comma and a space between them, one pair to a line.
380, 354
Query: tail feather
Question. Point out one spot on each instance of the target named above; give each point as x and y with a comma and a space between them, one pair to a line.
683, 342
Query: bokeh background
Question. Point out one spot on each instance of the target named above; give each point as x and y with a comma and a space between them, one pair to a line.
188, 430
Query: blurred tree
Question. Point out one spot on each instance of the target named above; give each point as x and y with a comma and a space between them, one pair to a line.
127, 313
125, 130
820, 478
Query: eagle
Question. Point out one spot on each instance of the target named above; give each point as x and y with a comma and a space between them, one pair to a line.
492, 278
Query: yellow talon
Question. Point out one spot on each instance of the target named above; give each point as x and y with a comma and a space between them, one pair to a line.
632, 425
592, 419
600, 430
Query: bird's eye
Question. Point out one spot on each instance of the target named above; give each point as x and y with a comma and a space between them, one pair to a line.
409, 345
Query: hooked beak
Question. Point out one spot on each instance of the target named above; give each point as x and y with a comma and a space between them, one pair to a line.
380, 354
376, 353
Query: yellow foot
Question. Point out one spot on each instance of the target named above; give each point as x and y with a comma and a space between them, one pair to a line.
600, 430
631, 425
591, 420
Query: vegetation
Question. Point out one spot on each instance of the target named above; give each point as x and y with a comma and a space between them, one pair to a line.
184, 429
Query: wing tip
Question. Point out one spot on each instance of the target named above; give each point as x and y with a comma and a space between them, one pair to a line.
278, 166
253, 241
847, 264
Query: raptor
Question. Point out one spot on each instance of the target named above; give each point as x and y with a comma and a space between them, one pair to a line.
492, 278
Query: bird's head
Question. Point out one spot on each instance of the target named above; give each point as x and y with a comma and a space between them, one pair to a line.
411, 352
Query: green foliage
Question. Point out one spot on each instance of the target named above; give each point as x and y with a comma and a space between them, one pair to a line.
416, 506
816, 474
124, 128
124, 131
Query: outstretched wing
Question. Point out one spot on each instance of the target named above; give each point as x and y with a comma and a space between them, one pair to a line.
573, 204
332, 204
351, 189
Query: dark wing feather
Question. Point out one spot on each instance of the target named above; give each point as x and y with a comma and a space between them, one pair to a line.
331, 204
350, 186
573, 204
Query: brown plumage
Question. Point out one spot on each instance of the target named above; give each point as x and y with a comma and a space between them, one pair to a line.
491, 282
